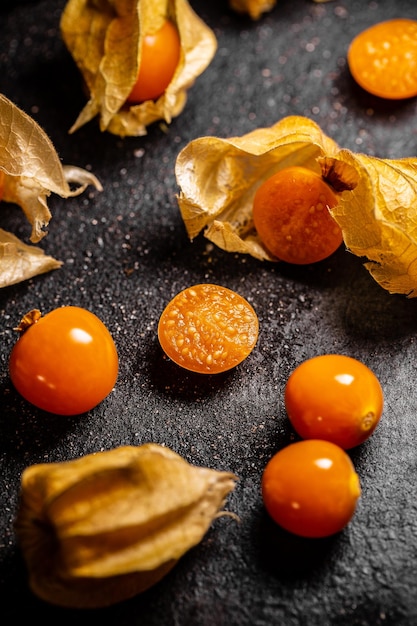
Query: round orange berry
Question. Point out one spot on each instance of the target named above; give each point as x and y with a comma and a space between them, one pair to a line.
311, 488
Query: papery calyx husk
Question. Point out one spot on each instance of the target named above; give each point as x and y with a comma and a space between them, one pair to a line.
102, 528
256, 8
104, 38
30, 170
253, 8
377, 208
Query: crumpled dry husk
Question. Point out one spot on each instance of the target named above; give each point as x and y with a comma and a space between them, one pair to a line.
377, 209
256, 8
102, 528
19, 261
30, 170
253, 8
104, 39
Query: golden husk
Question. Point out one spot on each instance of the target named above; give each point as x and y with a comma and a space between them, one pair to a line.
30, 170
256, 8
253, 8
377, 208
19, 261
104, 527
104, 38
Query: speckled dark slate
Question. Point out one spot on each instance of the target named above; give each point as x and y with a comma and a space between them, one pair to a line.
126, 254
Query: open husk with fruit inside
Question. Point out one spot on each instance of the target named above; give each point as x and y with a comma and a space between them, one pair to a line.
377, 198
30, 170
104, 39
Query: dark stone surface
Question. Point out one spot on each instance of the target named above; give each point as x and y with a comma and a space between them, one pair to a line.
126, 254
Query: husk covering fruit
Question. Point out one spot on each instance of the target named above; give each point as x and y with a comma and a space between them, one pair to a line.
253, 8
104, 38
104, 527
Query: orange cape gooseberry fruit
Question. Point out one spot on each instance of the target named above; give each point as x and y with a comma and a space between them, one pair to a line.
311, 488
383, 59
334, 397
64, 362
160, 55
292, 218
208, 329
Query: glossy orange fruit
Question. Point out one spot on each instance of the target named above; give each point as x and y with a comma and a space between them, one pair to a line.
334, 397
292, 218
311, 488
160, 55
208, 329
65, 362
383, 59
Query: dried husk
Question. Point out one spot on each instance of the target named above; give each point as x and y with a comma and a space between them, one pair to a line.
102, 528
254, 8
379, 220
377, 209
19, 261
30, 170
104, 39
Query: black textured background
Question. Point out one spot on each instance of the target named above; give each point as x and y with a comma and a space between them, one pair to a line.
126, 254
